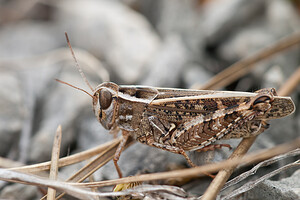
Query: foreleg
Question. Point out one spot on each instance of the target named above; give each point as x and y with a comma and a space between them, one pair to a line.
120, 148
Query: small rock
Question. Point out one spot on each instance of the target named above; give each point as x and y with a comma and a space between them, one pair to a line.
108, 29
222, 18
287, 188
90, 132
59, 105
177, 17
195, 75
274, 135
11, 111
282, 16
245, 42
19, 191
173, 17
166, 66
28, 38
274, 77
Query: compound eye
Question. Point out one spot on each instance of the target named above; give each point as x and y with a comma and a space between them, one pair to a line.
273, 91
261, 99
105, 98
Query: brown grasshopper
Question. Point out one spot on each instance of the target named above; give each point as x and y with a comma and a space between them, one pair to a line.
180, 120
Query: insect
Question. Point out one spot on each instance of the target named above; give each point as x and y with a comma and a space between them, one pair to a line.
180, 120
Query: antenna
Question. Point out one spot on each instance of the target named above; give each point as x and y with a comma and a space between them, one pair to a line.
78, 67
74, 87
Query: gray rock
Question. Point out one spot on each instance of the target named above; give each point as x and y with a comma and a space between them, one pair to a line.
11, 111
287, 188
38, 106
166, 66
174, 17
274, 77
34, 83
90, 132
111, 31
177, 17
195, 75
246, 42
222, 18
19, 191
27, 38
59, 105
282, 17
278, 127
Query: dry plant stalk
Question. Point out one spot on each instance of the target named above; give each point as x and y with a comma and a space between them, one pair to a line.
72, 189
81, 193
54, 162
198, 171
78, 157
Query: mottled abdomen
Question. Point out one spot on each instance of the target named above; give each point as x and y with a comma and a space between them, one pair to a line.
203, 134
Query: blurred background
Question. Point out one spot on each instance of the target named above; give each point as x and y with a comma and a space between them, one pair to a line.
166, 43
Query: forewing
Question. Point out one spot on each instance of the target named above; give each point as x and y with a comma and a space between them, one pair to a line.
193, 103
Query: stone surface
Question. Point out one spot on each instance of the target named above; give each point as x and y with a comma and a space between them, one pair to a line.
220, 17
287, 188
17, 191
195, 75
177, 17
60, 105
90, 132
117, 35
12, 111
28, 38
166, 66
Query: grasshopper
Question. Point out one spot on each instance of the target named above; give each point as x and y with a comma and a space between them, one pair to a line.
180, 120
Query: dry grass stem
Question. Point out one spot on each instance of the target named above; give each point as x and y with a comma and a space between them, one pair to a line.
94, 189
244, 66
54, 162
19, 177
223, 175
70, 159
198, 171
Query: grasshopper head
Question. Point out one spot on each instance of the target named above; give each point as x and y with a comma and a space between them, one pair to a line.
105, 103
